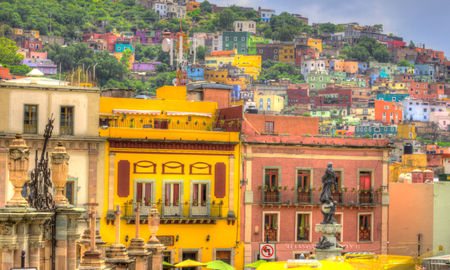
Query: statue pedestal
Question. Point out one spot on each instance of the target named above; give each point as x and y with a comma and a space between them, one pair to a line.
92, 260
333, 248
137, 251
155, 260
117, 257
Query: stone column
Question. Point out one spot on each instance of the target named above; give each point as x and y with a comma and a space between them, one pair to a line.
117, 255
111, 165
137, 250
60, 169
153, 244
8, 243
72, 237
61, 241
18, 169
92, 182
22, 242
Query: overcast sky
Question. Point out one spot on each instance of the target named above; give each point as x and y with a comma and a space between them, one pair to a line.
423, 21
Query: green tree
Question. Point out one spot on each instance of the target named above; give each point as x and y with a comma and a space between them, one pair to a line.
405, 63
125, 59
381, 53
411, 44
8, 53
327, 28
109, 68
201, 52
226, 19
379, 27
205, 7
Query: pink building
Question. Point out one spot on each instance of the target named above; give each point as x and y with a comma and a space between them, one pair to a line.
283, 183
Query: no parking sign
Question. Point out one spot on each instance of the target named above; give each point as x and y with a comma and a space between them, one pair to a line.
266, 251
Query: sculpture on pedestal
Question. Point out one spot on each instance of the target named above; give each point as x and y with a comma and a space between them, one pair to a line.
18, 169
60, 169
328, 204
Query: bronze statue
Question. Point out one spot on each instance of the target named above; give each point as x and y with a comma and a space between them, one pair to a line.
328, 204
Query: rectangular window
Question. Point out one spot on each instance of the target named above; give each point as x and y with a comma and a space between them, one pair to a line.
69, 191
30, 119
365, 227
338, 218
271, 227
271, 193
172, 194
144, 193
303, 227
66, 121
200, 194
269, 127
304, 186
224, 256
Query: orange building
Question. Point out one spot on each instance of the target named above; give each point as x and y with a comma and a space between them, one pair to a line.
388, 112
351, 66
286, 54
191, 5
218, 76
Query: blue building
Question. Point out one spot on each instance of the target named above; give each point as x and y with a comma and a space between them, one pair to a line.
124, 47
195, 74
375, 131
266, 14
392, 97
425, 69
362, 67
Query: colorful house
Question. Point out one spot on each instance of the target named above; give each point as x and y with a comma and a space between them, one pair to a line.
236, 41
265, 14
375, 131
163, 152
253, 41
249, 64
388, 112
315, 44
195, 73
286, 54
392, 97
283, 174
268, 103
406, 131
123, 47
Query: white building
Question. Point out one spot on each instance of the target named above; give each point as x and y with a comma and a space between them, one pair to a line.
312, 65
418, 110
245, 26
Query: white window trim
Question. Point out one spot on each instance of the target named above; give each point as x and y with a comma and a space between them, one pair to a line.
151, 181
208, 200
371, 227
310, 226
342, 223
163, 197
263, 223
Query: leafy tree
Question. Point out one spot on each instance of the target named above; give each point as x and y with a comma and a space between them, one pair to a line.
327, 28
411, 44
125, 59
8, 55
281, 70
405, 63
205, 7
285, 27
108, 67
201, 52
379, 27
226, 19
162, 68
381, 54
21, 70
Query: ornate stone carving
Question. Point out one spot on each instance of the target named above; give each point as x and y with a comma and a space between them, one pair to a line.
18, 168
60, 169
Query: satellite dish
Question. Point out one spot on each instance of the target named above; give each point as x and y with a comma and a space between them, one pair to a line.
174, 82
166, 44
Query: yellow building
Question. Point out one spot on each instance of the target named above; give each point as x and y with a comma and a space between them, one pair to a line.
268, 103
249, 64
218, 61
286, 54
315, 44
217, 76
363, 113
163, 152
391, 85
410, 162
406, 131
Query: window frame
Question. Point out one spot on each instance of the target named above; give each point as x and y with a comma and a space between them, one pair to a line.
263, 236
371, 227
297, 225
342, 228
37, 118
73, 120
153, 193
181, 193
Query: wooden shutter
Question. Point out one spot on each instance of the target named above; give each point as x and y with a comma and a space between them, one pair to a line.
139, 192
148, 194
123, 178
220, 179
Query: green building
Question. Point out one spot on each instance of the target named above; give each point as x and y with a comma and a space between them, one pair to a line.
236, 40
253, 41
318, 80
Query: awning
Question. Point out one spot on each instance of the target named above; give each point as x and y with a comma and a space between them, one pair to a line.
190, 113
147, 112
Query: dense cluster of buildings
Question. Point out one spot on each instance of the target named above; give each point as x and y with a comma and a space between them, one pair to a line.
232, 161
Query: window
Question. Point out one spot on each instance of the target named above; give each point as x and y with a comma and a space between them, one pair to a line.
303, 227
69, 191
144, 193
30, 119
271, 227
172, 194
303, 186
200, 194
66, 121
268, 104
224, 256
271, 185
365, 227
269, 127
338, 218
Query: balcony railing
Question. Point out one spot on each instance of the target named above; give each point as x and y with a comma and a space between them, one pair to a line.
180, 213
155, 123
293, 196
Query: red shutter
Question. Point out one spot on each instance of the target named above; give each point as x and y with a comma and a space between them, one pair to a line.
167, 197
195, 197
123, 178
364, 181
220, 180
176, 194
139, 192
148, 194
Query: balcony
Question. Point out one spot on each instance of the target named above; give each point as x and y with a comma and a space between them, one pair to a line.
183, 213
288, 196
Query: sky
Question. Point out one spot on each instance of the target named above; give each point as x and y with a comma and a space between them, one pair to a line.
422, 21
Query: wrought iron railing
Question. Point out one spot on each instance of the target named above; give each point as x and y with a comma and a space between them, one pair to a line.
292, 195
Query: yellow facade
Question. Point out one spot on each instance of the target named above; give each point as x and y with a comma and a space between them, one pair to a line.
269, 103
363, 113
315, 43
410, 162
249, 64
406, 131
286, 54
391, 85
217, 76
188, 171
218, 61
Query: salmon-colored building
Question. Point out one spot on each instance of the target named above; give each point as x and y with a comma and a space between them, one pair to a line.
418, 219
282, 173
388, 112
